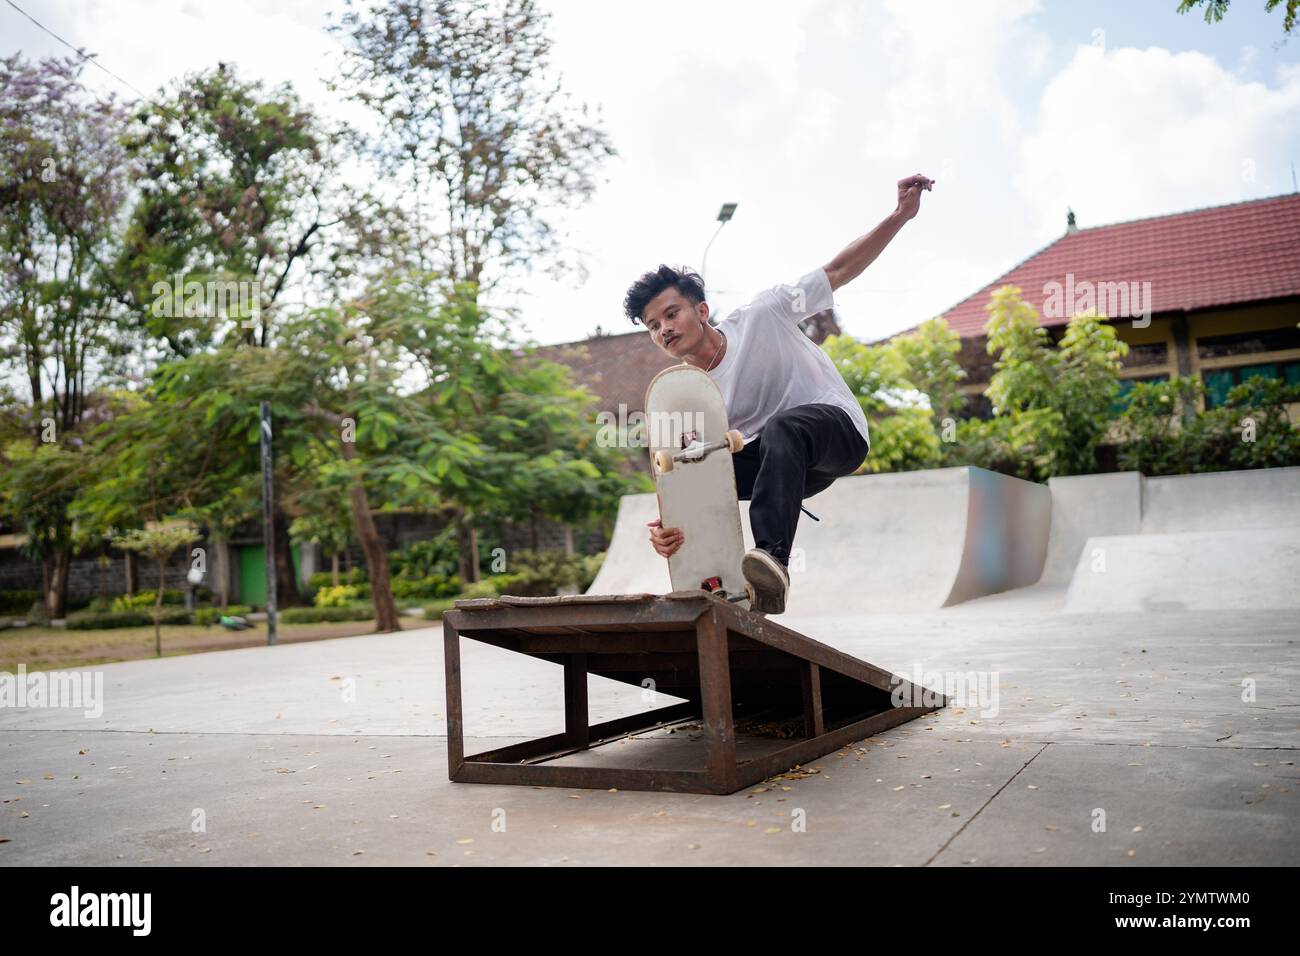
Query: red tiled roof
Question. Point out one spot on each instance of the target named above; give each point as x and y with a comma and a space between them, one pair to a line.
1224, 255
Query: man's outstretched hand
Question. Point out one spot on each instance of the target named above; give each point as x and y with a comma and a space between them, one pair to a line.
909, 195
665, 541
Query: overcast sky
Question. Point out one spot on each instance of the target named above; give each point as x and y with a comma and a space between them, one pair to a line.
807, 114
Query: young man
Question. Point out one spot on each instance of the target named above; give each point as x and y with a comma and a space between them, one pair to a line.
803, 427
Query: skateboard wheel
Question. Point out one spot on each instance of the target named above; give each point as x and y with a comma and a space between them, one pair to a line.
735, 441
663, 462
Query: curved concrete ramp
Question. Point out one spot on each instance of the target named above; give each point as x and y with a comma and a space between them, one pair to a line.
1220, 540
885, 543
1222, 501
1085, 506
1187, 571
630, 565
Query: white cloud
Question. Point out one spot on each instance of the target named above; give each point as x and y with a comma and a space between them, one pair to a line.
1128, 133
806, 115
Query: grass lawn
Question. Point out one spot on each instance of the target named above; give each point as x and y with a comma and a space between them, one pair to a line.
49, 648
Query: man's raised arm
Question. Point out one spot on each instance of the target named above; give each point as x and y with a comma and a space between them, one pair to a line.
860, 253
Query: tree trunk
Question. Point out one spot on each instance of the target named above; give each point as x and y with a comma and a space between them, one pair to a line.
286, 582
220, 571
334, 567
130, 572
568, 539
157, 608
56, 599
381, 587
467, 547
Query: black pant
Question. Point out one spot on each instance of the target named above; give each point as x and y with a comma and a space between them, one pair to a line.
799, 452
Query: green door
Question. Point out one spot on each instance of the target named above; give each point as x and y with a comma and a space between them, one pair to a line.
252, 575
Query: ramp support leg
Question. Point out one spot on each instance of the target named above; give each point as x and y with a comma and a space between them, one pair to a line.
813, 722
715, 700
577, 730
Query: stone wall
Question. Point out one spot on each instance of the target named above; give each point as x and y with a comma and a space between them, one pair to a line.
105, 573
91, 575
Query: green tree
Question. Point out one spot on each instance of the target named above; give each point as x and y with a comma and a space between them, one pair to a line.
930, 356
1251, 429
35, 496
902, 434
1061, 395
237, 184
1215, 9
552, 465
158, 544
467, 116
325, 517
62, 187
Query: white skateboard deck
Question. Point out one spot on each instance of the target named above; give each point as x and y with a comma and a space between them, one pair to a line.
683, 405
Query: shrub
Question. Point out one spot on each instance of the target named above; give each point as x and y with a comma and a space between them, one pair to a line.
325, 579
1252, 429
105, 620
313, 615
541, 573
430, 586
591, 564
421, 559
433, 610
341, 596
481, 589
18, 602
131, 602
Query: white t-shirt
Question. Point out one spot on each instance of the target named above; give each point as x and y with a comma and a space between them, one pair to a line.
770, 365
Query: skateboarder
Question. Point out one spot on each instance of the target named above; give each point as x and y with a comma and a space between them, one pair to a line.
803, 426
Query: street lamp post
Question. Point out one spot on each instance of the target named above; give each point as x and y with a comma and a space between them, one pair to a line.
724, 216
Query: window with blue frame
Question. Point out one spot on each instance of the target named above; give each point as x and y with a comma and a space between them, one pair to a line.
1219, 381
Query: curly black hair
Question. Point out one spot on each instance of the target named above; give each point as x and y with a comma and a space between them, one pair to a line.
685, 280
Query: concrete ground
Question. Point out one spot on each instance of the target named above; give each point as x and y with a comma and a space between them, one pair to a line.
335, 753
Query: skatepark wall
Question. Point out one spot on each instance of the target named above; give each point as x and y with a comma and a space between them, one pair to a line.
1217, 541
885, 543
1085, 506
922, 540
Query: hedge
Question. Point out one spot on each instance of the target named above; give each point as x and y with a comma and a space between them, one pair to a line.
434, 609
105, 620
18, 602
314, 615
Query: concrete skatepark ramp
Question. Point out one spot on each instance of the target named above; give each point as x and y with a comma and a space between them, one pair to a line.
1221, 540
1188, 571
898, 542
916, 541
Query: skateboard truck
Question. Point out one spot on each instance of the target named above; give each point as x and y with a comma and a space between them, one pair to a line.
665, 460
714, 584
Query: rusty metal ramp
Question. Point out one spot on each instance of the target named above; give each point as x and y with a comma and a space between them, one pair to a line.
758, 698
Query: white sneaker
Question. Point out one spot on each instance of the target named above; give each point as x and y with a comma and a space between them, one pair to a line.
769, 579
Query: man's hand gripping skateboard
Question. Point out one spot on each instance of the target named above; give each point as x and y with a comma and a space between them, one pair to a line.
766, 575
